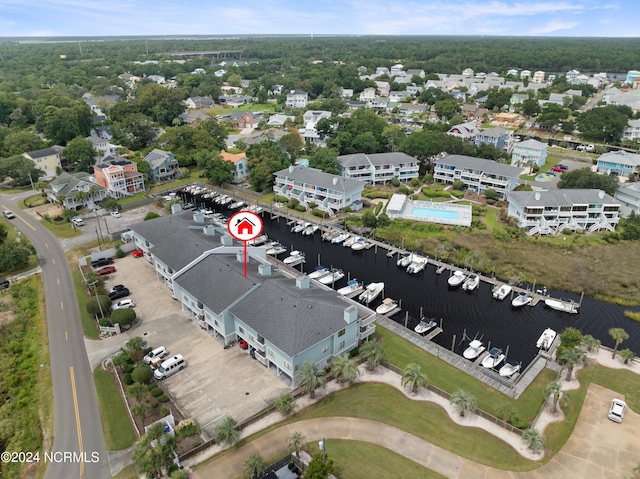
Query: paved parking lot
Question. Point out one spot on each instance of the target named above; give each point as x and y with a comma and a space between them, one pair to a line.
217, 381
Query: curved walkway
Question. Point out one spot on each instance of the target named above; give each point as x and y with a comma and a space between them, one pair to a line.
597, 447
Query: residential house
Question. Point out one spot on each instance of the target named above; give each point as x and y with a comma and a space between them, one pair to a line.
103, 132
311, 119
414, 90
368, 95
525, 74
538, 77
618, 163
529, 152
469, 111
383, 88
466, 131
260, 136
241, 162
220, 73
275, 90
330, 193
346, 93
512, 72
356, 104
516, 100
163, 166
119, 176
628, 195
477, 174
632, 76
279, 119
508, 120
412, 110
631, 132
65, 189
235, 101
193, 117
411, 72
47, 160
554, 211
101, 146
382, 71
199, 102
245, 119
159, 79
297, 99
378, 167
468, 73
398, 96
571, 75
498, 137
397, 69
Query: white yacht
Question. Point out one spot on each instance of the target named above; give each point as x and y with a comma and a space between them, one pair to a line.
405, 260
475, 349
456, 279
418, 264
387, 306
494, 358
371, 292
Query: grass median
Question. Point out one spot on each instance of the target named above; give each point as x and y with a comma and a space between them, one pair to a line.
118, 432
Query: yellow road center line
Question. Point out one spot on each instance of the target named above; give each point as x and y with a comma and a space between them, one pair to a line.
77, 411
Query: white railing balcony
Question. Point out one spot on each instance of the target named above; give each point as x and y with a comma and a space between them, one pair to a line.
367, 320
366, 331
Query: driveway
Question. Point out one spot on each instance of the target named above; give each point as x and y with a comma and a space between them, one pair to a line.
217, 381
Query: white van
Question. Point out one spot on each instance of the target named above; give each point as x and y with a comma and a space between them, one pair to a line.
170, 367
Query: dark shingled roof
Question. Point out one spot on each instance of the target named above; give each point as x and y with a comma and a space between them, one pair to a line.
291, 318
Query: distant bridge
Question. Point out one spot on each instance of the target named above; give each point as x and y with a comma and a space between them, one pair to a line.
213, 53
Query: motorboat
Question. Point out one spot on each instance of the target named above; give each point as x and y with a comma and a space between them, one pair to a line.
295, 257
456, 279
508, 370
226, 200
310, 229
332, 277
502, 292
417, 265
236, 205
348, 243
425, 325
360, 244
387, 306
405, 260
275, 248
521, 299
340, 238
475, 349
319, 272
298, 227
329, 235
494, 358
352, 286
262, 239
471, 283
371, 292
563, 305
546, 339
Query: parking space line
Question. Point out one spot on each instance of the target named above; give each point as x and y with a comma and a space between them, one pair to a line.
205, 410
214, 420
203, 396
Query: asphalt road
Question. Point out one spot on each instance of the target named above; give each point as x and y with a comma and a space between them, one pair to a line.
78, 444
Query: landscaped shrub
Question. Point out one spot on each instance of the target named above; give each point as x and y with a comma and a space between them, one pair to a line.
151, 386
280, 199
300, 208
567, 231
163, 398
292, 203
404, 190
141, 374
378, 194
150, 215
491, 194
415, 182
347, 209
164, 411
128, 367
124, 316
458, 185
154, 404
93, 308
457, 194
378, 208
435, 193
127, 379
120, 253
320, 213
187, 428
395, 182
156, 392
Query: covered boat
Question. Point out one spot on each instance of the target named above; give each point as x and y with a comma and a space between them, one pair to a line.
493, 359
546, 339
456, 279
475, 349
425, 325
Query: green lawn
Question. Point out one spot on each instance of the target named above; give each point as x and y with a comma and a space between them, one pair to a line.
89, 327
118, 431
363, 460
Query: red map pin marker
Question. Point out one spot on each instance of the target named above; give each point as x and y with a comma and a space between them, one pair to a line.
245, 226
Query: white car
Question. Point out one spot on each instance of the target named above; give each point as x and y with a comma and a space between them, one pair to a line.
158, 353
115, 214
617, 409
125, 303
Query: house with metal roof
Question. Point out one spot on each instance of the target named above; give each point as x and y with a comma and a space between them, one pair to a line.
554, 211
330, 193
618, 163
477, 174
378, 167
163, 166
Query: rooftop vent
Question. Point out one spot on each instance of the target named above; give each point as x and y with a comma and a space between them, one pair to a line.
303, 282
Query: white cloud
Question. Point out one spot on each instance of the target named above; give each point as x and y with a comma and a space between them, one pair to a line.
553, 26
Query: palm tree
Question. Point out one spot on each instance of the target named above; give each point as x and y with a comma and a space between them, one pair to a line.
618, 335
344, 368
81, 197
570, 358
295, 442
413, 378
227, 431
93, 189
137, 391
311, 378
284, 404
372, 353
463, 401
140, 409
254, 465
533, 438
627, 356
592, 344
505, 411
553, 390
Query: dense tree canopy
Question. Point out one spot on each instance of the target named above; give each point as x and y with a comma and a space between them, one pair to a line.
265, 158
20, 169
80, 153
584, 178
605, 123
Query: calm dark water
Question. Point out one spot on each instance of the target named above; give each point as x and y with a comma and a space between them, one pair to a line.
476, 313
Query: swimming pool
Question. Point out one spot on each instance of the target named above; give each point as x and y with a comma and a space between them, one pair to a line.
434, 213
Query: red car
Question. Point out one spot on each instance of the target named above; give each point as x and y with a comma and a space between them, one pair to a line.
137, 253
557, 169
106, 270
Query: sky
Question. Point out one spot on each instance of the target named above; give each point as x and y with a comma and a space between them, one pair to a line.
573, 18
